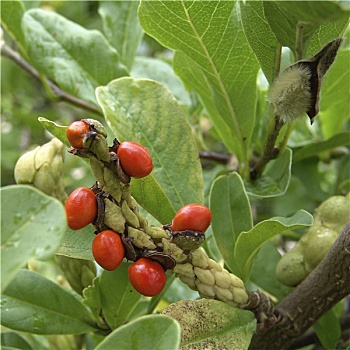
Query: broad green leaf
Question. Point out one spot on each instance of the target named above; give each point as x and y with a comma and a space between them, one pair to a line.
275, 178
324, 34
249, 243
232, 215
147, 192
260, 36
118, 298
264, 272
195, 80
152, 332
210, 34
146, 112
11, 16
163, 72
307, 151
328, 329
334, 104
77, 244
75, 58
284, 17
122, 28
284, 26
212, 322
12, 340
28, 228
32, 303
315, 12
56, 130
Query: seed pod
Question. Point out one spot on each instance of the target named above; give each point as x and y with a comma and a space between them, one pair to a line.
140, 239
188, 240
165, 260
129, 215
43, 169
114, 217
156, 232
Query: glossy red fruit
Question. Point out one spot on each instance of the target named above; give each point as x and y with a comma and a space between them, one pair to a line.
147, 277
108, 249
81, 208
76, 133
134, 159
194, 217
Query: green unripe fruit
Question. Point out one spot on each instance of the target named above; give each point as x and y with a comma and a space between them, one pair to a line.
333, 212
290, 269
315, 244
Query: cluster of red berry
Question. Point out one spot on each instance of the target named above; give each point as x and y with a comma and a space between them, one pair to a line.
146, 276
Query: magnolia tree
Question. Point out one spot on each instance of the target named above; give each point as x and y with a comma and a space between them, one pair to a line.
182, 175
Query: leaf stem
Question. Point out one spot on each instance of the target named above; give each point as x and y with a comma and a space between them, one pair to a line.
270, 151
57, 92
299, 41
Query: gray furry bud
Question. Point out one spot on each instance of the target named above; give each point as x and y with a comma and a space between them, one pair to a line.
297, 89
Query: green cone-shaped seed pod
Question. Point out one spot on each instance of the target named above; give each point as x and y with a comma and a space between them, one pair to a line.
43, 169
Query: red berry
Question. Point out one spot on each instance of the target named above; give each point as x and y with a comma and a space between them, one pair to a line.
194, 217
134, 159
108, 249
81, 208
76, 133
147, 277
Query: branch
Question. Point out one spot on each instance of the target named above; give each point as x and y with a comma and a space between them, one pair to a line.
324, 288
60, 94
218, 157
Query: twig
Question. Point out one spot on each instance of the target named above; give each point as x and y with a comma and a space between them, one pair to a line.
323, 289
218, 157
60, 94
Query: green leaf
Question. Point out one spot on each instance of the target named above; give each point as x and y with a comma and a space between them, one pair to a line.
195, 80
315, 12
146, 112
249, 243
275, 178
92, 298
122, 28
56, 130
118, 298
156, 332
75, 58
334, 104
147, 192
12, 340
77, 244
28, 228
260, 36
328, 329
341, 139
11, 16
264, 272
232, 215
285, 16
282, 25
210, 34
163, 72
212, 322
324, 34
32, 303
